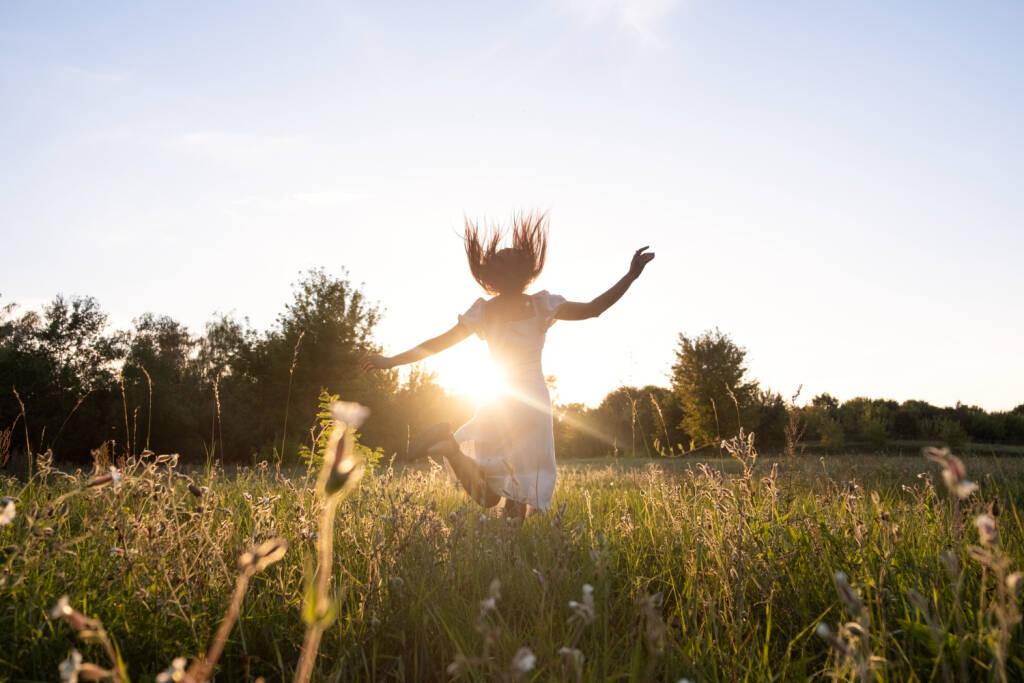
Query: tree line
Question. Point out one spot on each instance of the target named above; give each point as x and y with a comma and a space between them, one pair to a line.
69, 383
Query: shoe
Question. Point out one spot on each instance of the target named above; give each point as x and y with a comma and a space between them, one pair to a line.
422, 441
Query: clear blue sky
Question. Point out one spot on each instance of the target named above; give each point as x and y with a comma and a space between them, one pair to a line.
836, 185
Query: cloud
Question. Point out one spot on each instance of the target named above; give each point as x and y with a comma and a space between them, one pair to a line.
642, 18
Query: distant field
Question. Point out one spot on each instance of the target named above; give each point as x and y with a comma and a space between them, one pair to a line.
698, 569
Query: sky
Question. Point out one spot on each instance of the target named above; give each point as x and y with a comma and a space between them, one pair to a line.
834, 185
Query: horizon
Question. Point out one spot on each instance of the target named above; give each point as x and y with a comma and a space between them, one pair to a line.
837, 193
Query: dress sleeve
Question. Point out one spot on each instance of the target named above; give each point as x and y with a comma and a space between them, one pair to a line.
473, 318
547, 305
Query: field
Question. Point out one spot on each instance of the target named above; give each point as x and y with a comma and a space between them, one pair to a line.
720, 570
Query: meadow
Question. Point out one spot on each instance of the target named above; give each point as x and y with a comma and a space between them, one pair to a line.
727, 569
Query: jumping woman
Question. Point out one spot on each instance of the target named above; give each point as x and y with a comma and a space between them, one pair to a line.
506, 452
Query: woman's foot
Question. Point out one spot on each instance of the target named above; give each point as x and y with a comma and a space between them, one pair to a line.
514, 509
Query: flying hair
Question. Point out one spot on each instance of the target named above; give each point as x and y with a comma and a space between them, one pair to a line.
507, 270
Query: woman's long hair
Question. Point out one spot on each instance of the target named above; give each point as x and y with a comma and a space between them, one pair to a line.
508, 270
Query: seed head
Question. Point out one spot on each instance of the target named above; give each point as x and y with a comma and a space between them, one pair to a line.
174, 673
70, 667
583, 611
263, 555
341, 471
349, 413
523, 661
987, 529
7, 510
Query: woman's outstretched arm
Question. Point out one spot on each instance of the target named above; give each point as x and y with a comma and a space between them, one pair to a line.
427, 348
581, 310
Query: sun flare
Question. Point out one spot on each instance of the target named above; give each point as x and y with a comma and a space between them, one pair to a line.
471, 375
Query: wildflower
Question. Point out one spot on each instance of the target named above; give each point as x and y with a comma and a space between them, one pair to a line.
62, 608
523, 661
341, 470
584, 610
263, 555
174, 673
70, 667
349, 413
987, 529
847, 594
83, 625
964, 489
954, 473
7, 510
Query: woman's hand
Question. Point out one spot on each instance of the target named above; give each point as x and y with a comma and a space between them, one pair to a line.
640, 260
375, 362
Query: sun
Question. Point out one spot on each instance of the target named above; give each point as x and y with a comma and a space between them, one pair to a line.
470, 374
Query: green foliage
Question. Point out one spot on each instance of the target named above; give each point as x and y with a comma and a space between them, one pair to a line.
950, 432
235, 394
709, 378
831, 434
313, 454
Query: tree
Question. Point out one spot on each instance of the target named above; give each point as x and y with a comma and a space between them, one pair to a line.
316, 345
709, 378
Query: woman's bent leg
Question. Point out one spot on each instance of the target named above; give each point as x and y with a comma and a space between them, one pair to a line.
467, 471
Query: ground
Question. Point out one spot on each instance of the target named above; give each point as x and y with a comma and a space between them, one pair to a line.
713, 570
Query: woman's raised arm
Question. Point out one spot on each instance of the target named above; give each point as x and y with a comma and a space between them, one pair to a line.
581, 310
427, 348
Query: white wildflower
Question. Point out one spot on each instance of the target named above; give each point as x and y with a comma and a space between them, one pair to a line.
964, 489
62, 608
523, 661
174, 673
584, 610
7, 510
70, 667
986, 529
349, 413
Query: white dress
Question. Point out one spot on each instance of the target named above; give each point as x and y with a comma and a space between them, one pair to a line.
511, 437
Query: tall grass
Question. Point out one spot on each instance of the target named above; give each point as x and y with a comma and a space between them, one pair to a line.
845, 568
